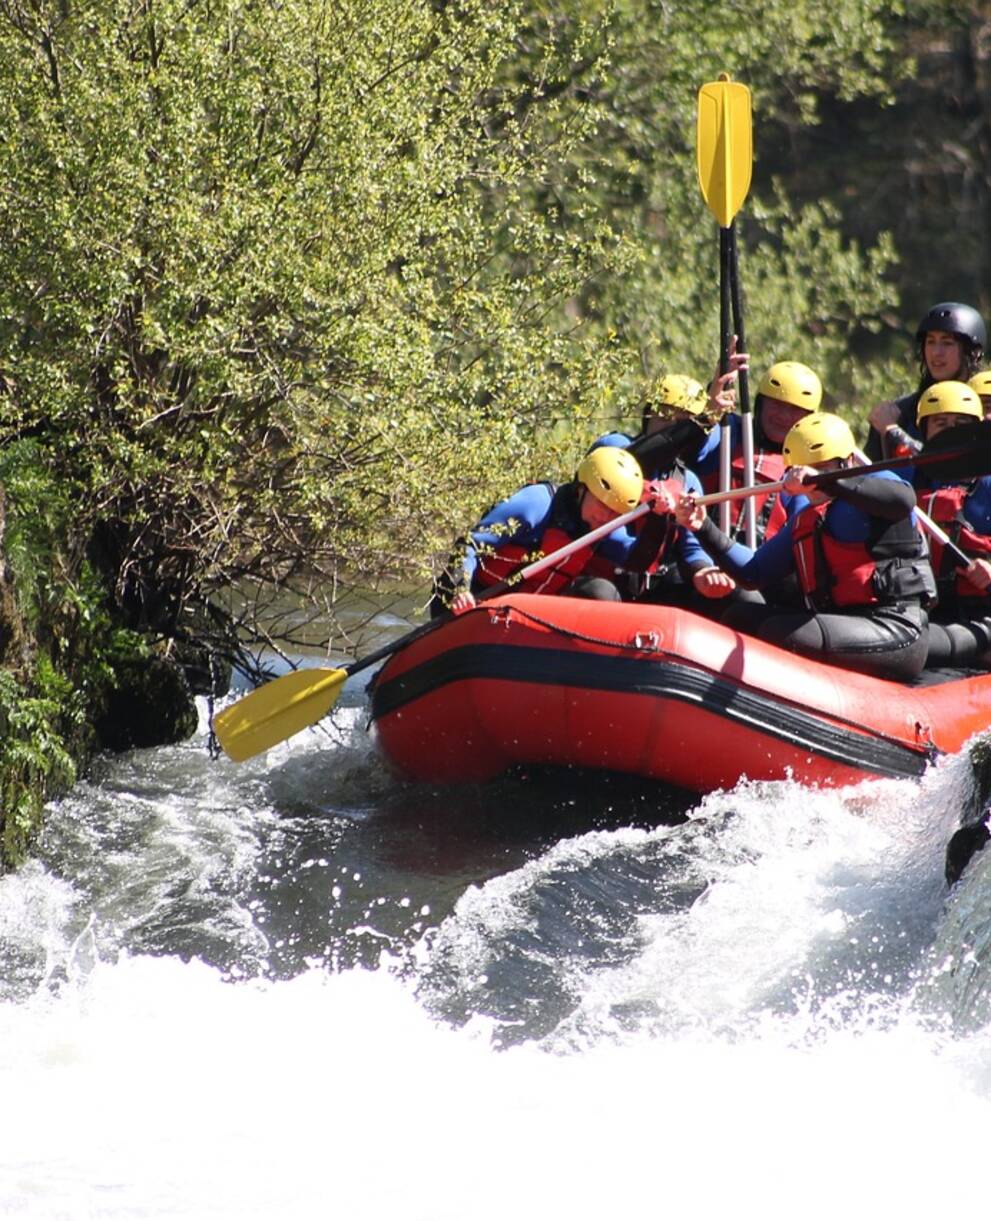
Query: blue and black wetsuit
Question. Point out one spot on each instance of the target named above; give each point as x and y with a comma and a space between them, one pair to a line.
536, 521
960, 626
863, 571
679, 555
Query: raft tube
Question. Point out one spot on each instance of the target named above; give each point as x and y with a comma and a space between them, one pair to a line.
656, 692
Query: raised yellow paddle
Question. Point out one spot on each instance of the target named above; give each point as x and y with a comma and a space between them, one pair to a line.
290, 703
724, 147
724, 156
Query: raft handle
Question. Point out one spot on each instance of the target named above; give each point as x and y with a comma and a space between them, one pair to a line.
500, 614
649, 642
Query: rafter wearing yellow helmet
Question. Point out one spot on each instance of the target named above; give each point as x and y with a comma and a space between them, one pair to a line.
852, 548
960, 625
981, 383
542, 518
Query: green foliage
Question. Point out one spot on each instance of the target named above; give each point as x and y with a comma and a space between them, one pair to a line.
34, 761
918, 166
291, 290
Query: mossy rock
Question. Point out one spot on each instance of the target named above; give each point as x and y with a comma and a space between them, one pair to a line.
980, 759
150, 705
207, 672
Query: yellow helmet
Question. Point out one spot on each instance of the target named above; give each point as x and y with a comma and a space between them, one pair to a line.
981, 382
956, 398
817, 438
794, 383
676, 391
613, 476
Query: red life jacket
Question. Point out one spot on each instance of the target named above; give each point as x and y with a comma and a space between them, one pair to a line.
497, 563
665, 528
831, 574
946, 506
768, 468
776, 518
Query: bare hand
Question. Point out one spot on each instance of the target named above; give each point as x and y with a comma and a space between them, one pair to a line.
689, 514
979, 574
722, 395
662, 495
794, 480
713, 582
883, 416
722, 388
462, 602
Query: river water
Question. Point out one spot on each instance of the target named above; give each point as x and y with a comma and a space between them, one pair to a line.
302, 988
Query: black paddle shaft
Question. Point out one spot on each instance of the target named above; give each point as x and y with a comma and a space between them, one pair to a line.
741, 343
955, 455
725, 295
492, 591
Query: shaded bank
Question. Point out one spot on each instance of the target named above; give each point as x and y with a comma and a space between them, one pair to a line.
73, 679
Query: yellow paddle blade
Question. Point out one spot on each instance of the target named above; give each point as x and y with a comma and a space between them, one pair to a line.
276, 711
724, 147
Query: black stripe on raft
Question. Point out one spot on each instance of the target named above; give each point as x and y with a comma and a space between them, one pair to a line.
665, 678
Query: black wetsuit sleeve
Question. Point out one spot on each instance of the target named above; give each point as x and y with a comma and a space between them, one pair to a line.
889, 499
713, 539
738, 561
907, 407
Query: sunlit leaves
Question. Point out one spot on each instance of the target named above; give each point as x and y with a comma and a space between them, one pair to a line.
299, 287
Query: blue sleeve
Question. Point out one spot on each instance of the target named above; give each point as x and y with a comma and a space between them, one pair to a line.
977, 507
792, 504
848, 523
618, 440
687, 546
690, 551
520, 519
771, 562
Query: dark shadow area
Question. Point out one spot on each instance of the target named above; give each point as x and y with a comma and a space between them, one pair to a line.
343, 886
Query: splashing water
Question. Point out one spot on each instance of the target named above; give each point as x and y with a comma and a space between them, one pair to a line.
302, 988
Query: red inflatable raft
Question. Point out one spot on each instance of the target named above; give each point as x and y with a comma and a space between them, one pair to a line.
656, 692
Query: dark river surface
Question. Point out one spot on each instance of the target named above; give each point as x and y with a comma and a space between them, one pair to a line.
301, 987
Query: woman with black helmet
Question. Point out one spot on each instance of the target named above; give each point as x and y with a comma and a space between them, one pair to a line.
950, 343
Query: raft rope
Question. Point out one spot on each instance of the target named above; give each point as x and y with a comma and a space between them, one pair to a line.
631, 646
924, 739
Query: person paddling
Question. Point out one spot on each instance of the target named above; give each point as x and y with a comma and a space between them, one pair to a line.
950, 342
541, 518
960, 626
855, 550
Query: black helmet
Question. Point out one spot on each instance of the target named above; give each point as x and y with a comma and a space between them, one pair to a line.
956, 319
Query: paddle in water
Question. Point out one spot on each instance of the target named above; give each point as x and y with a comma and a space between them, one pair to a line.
292, 702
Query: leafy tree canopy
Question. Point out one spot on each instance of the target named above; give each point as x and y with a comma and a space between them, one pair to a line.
290, 290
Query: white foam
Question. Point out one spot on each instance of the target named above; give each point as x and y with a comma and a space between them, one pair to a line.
776, 1061
157, 1090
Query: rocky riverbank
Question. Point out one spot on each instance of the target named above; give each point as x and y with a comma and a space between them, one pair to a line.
73, 681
